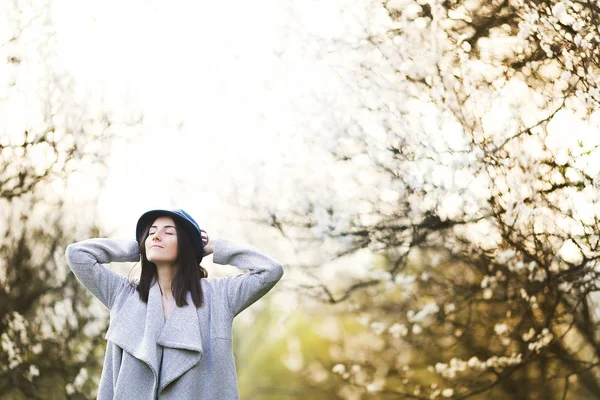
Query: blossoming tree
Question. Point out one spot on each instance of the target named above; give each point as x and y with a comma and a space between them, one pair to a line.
49, 328
469, 139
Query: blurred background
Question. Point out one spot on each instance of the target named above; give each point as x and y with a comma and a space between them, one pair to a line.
427, 171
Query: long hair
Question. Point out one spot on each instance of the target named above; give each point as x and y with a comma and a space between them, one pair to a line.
188, 274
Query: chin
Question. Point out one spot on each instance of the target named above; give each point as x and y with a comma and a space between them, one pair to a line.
161, 261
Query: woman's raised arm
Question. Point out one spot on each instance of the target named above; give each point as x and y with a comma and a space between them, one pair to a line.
85, 259
243, 290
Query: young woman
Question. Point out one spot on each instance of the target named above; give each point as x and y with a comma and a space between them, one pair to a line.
169, 335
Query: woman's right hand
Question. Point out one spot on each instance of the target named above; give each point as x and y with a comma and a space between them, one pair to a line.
206, 242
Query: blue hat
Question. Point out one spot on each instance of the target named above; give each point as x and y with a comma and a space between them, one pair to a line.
186, 220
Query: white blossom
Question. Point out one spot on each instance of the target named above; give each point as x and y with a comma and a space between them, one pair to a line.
528, 335
36, 348
487, 294
426, 311
378, 327
398, 330
500, 329
70, 389
560, 11
12, 350
542, 340
505, 256
80, 379
404, 280
373, 387
32, 372
381, 275
338, 369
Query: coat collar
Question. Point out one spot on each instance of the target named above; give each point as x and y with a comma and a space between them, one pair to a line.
141, 330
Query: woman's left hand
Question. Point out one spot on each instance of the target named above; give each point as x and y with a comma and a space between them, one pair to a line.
206, 242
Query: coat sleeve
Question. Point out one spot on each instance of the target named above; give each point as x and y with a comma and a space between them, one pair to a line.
243, 290
85, 259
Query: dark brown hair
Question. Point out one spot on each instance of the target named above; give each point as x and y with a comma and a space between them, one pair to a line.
188, 274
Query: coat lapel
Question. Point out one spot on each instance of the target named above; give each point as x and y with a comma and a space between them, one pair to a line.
182, 342
141, 330
136, 327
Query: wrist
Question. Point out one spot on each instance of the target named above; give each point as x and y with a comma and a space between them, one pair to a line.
210, 246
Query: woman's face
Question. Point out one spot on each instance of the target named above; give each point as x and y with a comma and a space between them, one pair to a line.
161, 243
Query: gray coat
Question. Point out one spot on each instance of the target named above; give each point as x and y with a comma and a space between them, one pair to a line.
188, 356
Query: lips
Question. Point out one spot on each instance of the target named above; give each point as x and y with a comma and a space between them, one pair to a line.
156, 246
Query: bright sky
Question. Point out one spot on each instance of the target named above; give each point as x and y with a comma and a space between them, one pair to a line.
219, 84
224, 88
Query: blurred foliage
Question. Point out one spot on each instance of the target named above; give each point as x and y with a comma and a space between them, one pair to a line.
287, 360
469, 164
466, 227
50, 329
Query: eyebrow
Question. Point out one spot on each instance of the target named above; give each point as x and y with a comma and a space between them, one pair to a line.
166, 226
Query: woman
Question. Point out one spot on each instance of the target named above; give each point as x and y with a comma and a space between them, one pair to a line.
169, 335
